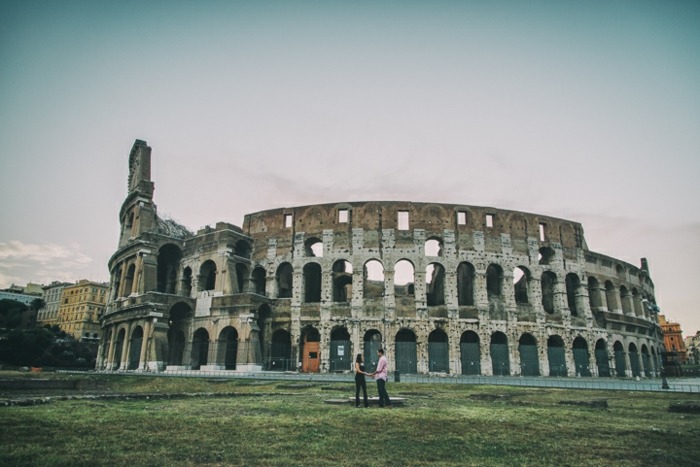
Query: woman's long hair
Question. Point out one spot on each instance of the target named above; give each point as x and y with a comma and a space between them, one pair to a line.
359, 358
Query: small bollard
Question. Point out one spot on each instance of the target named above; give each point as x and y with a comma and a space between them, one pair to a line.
397, 376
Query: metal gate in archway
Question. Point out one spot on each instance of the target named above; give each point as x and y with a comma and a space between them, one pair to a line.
373, 342
581, 357
341, 355
439, 355
500, 360
601, 361
634, 364
471, 358
646, 361
620, 363
557, 361
529, 360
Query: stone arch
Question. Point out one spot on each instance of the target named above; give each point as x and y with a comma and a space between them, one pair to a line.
521, 285
601, 358
529, 355
373, 342
241, 277
435, 284
406, 353
135, 347
284, 277
119, 348
313, 247
207, 275
620, 365
546, 255
200, 348
470, 353
373, 279
594, 293
186, 281
312, 283
548, 284
169, 256
626, 301
129, 285
179, 317
500, 357
610, 296
281, 351
557, 356
404, 278
342, 281
634, 360
242, 249
646, 360
438, 352
433, 247
573, 283
465, 284
494, 281
341, 349
259, 278
228, 347
581, 356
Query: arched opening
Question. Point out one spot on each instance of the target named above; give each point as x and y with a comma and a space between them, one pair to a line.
118, 349
281, 351
626, 300
594, 293
572, 285
284, 280
259, 278
557, 356
438, 352
178, 319
494, 281
581, 357
264, 329
373, 342
228, 347
207, 275
310, 350
312, 283
546, 255
313, 247
637, 303
610, 296
435, 284
117, 282
521, 285
548, 282
465, 284
470, 353
433, 247
135, 348
529, 356
187, 281
634, 360
129, 286
500, 359
200, 348
646, 360
404, 279
242, 249
241, 277
601, 358
620, 366
373, 280
342, 281
168, 265
406, 356
341, 350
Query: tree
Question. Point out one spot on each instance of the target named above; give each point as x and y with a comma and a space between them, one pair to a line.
37, 304
11, 313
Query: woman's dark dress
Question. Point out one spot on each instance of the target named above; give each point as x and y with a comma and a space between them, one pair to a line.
360, 383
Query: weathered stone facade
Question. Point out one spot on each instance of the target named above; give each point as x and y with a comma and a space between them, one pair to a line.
444, 288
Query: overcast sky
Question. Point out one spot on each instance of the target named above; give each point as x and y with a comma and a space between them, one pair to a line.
588, 111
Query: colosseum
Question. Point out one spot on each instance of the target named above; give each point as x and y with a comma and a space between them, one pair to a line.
445, 288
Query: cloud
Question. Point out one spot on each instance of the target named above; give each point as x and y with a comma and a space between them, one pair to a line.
40, 262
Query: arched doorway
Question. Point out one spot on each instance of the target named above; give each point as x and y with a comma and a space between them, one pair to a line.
341, 351
601, 358
620, 365
500, 360
135, 348
119, 348
406, 361
438, 352
373, 342
581, 357
178, 319
200, 348
176, 345
281, 351
470, 353
310, 350
529, 356
634, 361
228, 347
557, 356
646, 361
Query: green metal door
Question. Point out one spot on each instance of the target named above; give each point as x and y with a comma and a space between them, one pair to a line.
529, 360
500, 361
438, 353
557, 361
406, 357
371, 357
620, 363
471, 358
341, 356
601, 361
581, 361
634, 364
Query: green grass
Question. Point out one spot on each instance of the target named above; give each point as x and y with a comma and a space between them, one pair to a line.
267, 423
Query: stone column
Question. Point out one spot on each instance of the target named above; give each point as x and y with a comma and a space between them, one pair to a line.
112, 347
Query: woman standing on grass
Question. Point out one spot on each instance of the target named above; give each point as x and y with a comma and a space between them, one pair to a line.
360, 381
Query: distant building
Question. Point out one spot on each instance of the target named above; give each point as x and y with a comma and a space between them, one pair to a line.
52, 297
692, 345
81, 307
673, 338
21, 294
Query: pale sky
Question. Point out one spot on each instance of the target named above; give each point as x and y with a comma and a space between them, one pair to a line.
588, 111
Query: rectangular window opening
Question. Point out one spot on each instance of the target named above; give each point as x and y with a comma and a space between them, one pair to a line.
542, 232
461, 218
288, 220
343, 216
489, 220
403, 220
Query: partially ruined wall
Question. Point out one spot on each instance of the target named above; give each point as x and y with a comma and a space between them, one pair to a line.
444, 288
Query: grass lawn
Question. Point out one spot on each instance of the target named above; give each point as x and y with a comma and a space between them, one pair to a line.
279, 423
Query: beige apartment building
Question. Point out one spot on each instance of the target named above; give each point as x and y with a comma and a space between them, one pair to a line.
82, 305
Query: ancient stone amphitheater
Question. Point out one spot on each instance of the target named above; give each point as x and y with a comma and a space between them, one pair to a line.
444, 288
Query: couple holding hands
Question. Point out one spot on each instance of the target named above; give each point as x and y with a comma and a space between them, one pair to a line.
380, 375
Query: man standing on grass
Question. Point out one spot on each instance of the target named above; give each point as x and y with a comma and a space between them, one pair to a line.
381, 376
